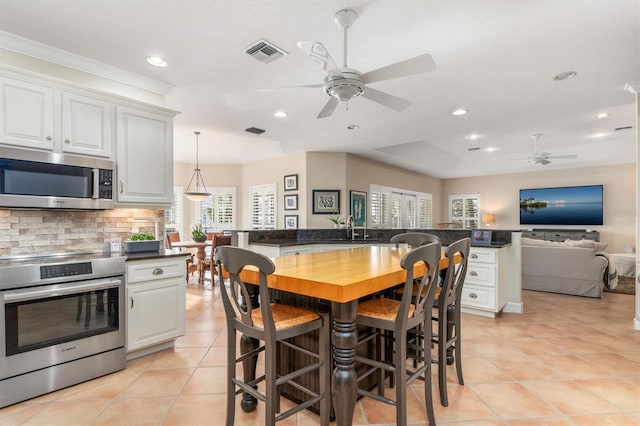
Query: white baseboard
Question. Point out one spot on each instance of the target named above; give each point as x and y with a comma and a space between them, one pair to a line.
513, 307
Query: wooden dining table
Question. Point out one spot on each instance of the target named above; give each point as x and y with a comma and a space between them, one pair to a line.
341, 277
201, 254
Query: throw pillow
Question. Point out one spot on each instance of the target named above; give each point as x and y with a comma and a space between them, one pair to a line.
597, 246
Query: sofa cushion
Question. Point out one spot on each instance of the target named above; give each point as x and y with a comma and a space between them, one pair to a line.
597, 246
538, 243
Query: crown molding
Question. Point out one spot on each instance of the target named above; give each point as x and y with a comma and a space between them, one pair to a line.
57, 56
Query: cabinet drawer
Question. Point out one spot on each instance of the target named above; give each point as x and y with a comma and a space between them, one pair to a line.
146, 270
478, 297
482, 256
481, 274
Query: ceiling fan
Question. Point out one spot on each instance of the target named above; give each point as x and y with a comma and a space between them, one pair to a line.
544, 157
343, 83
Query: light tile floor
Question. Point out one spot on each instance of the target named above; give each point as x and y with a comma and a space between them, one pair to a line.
567, 361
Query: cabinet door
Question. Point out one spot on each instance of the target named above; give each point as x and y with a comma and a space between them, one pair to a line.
144, 159
155, 312
26, 114
87, 126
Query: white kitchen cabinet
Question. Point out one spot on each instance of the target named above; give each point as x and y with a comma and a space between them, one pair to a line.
87, 125
144, 158
292, 251
34, 115
26, 114
484, 291
156, 303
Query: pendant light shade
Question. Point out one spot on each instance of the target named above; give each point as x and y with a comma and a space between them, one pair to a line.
197, 194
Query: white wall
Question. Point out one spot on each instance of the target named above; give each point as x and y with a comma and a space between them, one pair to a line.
499, 195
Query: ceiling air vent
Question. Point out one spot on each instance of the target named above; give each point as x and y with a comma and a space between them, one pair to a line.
255, 130
473, 149
619, 129
264, 51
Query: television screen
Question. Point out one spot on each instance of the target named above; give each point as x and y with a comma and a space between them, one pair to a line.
571, 205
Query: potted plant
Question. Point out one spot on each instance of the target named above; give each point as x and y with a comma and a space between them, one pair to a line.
197, 234
337, 221
141, 241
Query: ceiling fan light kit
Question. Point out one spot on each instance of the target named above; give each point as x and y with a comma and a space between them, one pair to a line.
544, 158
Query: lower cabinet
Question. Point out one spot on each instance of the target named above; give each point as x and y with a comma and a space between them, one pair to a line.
484, 291
156, 303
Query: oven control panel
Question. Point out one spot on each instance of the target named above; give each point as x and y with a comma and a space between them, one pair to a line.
65, 270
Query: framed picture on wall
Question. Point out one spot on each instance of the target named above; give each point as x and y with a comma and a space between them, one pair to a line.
291, 182
291, 202
291, 221
358, 208
326, 201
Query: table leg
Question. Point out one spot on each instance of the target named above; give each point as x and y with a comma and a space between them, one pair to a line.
344, 340
200, 255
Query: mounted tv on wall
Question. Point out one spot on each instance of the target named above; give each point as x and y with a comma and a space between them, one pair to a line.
569, 205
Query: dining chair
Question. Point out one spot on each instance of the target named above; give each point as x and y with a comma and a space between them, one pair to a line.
385, 314
271, 324
192, 266
448, 317
217, 239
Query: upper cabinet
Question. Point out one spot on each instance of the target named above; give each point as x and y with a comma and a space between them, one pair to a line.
26, 114
87, 125
42, 117
144, 158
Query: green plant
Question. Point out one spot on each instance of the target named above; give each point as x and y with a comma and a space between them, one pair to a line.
337, 219
197, 231
141, 236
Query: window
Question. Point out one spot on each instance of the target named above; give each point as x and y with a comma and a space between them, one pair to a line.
217, 213
399, 208
173, 215
464, 210
263, 206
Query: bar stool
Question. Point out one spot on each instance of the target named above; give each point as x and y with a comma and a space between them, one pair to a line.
271, 324
398, 316
447, 302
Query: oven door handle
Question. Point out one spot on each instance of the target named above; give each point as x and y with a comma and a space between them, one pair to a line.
30, 294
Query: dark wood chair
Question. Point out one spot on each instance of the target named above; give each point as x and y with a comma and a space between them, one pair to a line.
391, 319
217, 239
264, 329
192, 266
448, 317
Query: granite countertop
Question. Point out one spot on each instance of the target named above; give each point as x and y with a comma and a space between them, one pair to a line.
292, 243
143, 255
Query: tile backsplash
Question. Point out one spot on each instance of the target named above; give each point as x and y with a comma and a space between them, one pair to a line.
35, 232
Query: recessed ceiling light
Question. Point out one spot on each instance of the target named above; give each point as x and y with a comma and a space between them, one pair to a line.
492, 148
460, 111
565, 75
603, 115
280, 114
353, 127
474, 136
157, 61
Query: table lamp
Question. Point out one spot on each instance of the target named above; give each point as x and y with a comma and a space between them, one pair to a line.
488, 219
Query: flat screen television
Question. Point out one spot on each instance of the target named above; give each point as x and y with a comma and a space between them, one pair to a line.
569, 205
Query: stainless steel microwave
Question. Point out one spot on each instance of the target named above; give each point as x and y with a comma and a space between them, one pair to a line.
35, 179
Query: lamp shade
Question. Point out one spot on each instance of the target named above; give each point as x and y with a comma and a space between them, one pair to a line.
488, 218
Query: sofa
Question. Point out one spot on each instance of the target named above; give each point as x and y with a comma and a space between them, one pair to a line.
570, 267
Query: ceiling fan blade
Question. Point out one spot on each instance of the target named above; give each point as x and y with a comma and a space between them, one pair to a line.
543, 161
320, 54
328, 108
417, 65
390, 101
567, 157
304, 86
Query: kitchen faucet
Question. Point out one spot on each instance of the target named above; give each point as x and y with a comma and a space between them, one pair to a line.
350, 228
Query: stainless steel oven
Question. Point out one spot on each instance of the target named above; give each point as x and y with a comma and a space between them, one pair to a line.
62, 322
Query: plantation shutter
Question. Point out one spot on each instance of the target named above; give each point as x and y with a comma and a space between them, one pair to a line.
263, 206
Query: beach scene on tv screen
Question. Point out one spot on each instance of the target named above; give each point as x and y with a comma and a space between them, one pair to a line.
577, 205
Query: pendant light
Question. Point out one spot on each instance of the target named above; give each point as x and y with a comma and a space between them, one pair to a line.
196, 194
